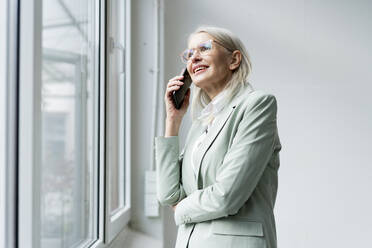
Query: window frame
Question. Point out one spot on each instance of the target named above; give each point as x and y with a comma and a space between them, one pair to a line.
117, 223
8, 122
3, 117
99, 182
29, 132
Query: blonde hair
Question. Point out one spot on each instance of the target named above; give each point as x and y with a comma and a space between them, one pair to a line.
240, 75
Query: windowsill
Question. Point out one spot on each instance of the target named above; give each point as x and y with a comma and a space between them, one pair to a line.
134, 239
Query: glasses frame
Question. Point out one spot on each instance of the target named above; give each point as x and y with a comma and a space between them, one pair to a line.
184, 60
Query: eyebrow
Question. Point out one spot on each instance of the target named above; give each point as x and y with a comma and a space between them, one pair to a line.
199, 44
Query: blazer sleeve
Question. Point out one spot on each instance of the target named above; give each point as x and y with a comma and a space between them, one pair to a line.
168, 172
242, 167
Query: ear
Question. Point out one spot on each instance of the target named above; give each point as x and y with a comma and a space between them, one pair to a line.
236, 58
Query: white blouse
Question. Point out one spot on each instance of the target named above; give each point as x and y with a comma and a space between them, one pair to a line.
208, 116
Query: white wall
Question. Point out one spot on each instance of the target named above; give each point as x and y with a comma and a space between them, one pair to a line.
314, 56
143, 50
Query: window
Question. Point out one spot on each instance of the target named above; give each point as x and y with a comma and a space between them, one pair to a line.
73, 126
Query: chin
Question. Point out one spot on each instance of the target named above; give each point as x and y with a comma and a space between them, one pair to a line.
200, 81
196, 83
200, 84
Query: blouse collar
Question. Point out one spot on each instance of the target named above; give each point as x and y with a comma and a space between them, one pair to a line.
213, 108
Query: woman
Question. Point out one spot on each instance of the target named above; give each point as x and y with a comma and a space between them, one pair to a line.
223, 185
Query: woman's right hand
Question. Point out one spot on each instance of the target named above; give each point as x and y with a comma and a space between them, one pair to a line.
174, 116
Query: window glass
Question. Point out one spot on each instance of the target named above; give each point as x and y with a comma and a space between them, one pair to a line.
68, 125
116, 100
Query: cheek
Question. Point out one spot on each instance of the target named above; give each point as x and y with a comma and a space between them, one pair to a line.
221, 63
221, 68
189, 69
188, 66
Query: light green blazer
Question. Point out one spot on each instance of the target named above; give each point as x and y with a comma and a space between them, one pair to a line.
231, 200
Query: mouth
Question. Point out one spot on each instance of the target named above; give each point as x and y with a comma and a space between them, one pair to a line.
199, 69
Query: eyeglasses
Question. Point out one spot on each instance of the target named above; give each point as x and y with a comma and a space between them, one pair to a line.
203, 49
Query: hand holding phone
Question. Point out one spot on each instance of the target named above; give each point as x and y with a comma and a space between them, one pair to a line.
179, 95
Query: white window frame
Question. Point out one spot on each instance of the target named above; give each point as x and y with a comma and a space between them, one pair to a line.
8, 122
29, 132
3, 122
100, 162
3, 117
116, 223
101, 73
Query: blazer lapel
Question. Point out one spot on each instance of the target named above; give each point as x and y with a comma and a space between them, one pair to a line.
213, 133
211, 136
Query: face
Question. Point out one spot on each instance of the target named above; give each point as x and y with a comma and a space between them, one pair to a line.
216, 69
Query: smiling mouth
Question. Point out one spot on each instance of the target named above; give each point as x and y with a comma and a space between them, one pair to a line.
200, 70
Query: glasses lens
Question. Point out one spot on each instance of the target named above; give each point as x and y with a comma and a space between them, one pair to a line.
202, 49
206, 46
187, 54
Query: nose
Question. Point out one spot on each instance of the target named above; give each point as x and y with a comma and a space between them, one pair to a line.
195, 57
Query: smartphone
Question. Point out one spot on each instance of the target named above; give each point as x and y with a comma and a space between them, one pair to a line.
179, 95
